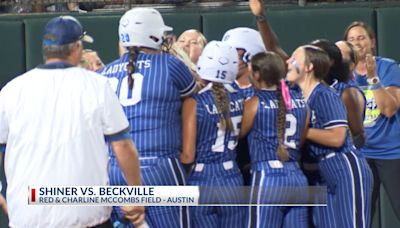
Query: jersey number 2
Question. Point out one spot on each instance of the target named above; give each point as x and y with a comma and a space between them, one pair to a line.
290, 131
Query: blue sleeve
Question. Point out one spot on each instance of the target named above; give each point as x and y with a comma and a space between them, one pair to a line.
331, 112
388, 72
2, 148
122, 135
181, 76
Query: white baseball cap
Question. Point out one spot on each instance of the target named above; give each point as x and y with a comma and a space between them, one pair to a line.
218, 62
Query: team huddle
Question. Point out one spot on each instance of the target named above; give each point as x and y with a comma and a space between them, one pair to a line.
239, 113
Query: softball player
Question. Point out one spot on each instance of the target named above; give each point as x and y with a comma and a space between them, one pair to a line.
240, 38
150, 85
342, 167
211, 124
338, 78
275, 120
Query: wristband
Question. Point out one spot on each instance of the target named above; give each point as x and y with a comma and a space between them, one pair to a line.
260, 18
187, 167
373, 81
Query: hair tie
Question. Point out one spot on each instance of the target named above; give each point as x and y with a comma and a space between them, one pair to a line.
286, 95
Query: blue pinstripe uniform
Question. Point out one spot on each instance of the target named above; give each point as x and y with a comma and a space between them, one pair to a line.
247, 91
215, 162
345, 170
243, 157
153, 110
341, 86
268, 173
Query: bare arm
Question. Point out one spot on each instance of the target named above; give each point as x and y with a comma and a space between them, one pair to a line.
354, 112
3, 202
128, 159
333, 137
189, 130
249, 114
269, 37
387, 99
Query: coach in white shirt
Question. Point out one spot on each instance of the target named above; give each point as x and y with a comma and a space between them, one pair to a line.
54, 123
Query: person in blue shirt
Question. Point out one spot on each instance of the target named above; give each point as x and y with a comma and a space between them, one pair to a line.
211, 125
151, 85
344, 170
275, 119
379, 79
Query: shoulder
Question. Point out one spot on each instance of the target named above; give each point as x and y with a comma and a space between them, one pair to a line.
323, 95
384, 61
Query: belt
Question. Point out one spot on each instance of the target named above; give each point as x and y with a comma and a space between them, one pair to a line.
200, 166
326, 156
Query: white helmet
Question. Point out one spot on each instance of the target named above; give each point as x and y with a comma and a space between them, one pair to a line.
142, 27
218, 63
245, 38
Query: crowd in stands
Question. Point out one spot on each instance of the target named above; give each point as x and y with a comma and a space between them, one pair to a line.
28, 6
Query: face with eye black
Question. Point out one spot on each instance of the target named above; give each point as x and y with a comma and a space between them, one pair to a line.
296, 66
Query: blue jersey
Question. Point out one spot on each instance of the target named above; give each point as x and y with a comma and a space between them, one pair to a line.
263, 138
339, 87
153, 106
327, 111
383, 133
247, 91
215, 144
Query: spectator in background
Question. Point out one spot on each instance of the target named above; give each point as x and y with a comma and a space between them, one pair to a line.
193, 43
55, 120
379, 79
91, 60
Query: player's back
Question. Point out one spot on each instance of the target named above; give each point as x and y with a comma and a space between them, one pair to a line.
215, 144
263, 138
153, 105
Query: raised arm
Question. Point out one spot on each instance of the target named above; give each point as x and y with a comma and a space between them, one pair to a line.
269, 37
387, 98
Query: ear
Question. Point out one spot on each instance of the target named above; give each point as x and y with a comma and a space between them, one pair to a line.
256, 76
309, 68
373, 43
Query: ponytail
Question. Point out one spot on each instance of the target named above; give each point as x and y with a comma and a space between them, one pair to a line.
282, 152
133, 53
222, 101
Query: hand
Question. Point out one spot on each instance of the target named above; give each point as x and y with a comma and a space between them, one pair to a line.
256, 7
135, 214
370, 65
3, 204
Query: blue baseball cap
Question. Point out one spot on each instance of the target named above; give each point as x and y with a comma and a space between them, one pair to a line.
64, 30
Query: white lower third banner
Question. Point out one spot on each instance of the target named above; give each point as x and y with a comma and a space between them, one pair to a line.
114, 195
